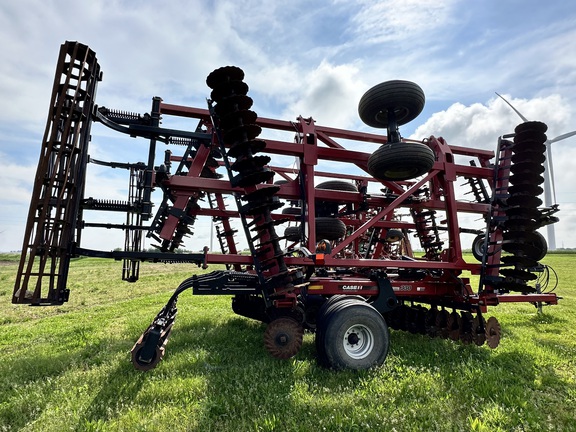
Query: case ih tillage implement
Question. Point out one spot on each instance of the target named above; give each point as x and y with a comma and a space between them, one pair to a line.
329, 252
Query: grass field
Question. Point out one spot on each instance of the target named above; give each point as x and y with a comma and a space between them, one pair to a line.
67, 368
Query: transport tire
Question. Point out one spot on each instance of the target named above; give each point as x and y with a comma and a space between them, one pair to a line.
292, 233
337, 185
394, 235
401, 161
292, 211
314, 304
404, 97
355, 336
330, 208
328, 228
333, 304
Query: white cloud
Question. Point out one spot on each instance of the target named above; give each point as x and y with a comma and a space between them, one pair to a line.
404, 21
15, 195
329, 94
479, 126
300, 59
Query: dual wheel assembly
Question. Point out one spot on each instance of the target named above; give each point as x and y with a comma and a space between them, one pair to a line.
350, 334
389, 105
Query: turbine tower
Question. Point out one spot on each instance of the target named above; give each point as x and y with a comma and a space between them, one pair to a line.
549, 188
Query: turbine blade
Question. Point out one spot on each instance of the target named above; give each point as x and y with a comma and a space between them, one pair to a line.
561, 137
511, 106
551, 165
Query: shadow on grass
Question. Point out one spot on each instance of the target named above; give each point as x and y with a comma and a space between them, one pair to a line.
243, 384
246, 385
117, 390
31, 382
510, 377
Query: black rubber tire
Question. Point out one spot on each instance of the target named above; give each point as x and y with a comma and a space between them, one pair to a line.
401, 161
292, 211
324, 310
542, 246
534, 247
354, 318
292, 233
333, 304
394, 235
323, 316
337, 185
328, 228
478, 247
314, 304
330, 208
405, 97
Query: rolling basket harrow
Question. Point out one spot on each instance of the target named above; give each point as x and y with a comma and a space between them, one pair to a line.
329, 252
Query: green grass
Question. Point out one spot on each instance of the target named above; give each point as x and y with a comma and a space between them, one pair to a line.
68, 368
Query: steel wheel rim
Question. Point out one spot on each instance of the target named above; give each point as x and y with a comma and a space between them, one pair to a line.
358, 341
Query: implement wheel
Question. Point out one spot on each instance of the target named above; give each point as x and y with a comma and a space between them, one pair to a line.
394, 235
330, 228
401, 161
338, 185
334, 303
292, 233
297, 211
542, 246
353, 336
405, 98
478, 249
145, 365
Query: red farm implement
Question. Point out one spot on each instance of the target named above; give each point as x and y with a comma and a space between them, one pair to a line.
330, 248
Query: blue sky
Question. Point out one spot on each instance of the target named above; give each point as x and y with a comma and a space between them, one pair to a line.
300, 58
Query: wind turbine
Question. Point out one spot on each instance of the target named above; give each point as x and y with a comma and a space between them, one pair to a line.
549, 188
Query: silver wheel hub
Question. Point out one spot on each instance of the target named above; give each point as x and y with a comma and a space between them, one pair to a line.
358, 341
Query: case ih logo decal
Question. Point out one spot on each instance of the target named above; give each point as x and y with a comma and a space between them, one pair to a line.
350, 287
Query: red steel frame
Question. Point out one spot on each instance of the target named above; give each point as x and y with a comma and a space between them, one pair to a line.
441, 180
